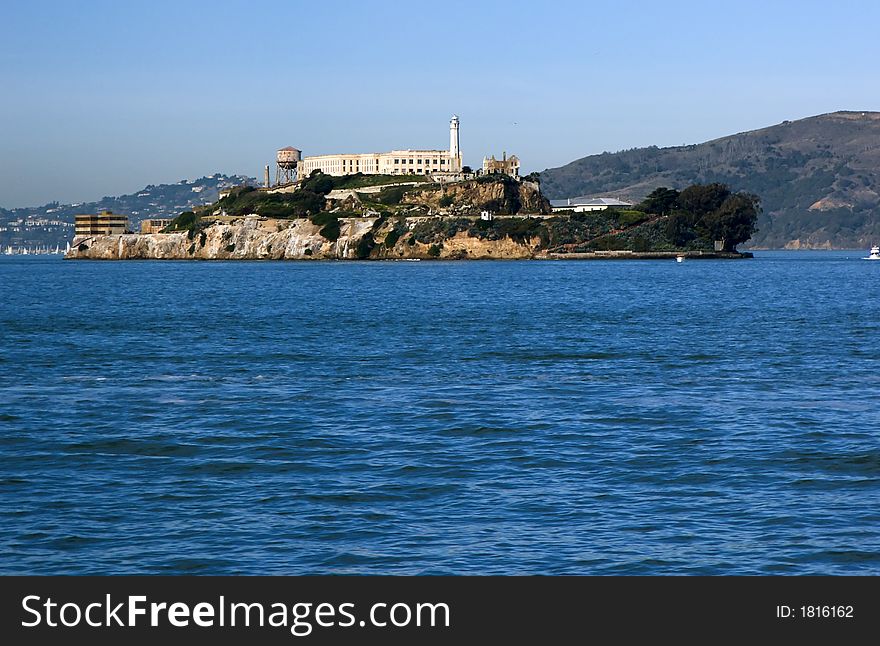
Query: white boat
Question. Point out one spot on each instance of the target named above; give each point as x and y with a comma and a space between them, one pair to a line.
679, 259
875, 253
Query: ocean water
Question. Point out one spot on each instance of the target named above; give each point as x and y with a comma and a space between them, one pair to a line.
616, 417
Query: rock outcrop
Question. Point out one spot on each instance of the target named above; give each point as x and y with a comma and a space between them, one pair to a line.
254, 238
472, 196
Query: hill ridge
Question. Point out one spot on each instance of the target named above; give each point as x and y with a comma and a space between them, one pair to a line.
818, 177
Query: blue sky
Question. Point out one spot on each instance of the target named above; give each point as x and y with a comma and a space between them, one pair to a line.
102, 98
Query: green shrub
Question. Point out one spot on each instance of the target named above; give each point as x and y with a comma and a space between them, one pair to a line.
235, 193
392, 238
186, 221
493, 206
438, 229
434, 251
608, 243
359, 180
329, 224
323, 218
446, 200
230, 248
632, 218
331, 231
318, 183
492, 178
301, 203
640, 243
365, 246
520, 229
390, 195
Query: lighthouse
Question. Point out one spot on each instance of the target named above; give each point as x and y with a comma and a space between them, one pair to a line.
454, 151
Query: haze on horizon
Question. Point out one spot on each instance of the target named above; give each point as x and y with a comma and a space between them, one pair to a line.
102, 98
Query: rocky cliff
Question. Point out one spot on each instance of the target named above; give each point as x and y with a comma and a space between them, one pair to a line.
470, 197
255, 238
347, 217
398, 238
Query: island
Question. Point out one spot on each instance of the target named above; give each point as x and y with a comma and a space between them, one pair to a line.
406, 217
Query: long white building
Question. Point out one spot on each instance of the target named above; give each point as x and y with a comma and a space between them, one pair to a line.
396, 162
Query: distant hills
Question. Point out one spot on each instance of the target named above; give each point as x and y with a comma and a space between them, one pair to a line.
819, 178
52, 224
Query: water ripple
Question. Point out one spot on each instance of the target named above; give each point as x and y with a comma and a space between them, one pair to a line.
441, 418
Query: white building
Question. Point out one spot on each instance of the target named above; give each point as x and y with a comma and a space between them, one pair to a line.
396, 162
581, 204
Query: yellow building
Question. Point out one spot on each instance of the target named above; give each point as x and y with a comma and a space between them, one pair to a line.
504, 166
154, 225
106, 223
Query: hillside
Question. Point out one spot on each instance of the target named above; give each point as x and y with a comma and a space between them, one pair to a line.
818, 178
52, 224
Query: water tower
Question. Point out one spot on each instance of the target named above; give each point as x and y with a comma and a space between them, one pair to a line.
286, 161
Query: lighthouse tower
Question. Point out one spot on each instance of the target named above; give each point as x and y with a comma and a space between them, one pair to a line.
454, 150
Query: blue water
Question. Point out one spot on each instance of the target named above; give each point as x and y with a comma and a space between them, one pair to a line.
635, 417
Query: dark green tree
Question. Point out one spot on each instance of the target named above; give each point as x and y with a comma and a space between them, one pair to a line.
661, 201
734, 221
680, 228
317, 182
702, 199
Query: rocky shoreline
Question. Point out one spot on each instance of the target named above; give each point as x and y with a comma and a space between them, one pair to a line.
257, 238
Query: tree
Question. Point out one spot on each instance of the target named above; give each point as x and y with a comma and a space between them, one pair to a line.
680, 228
733, 221
661, 201
318, 183
702, 199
